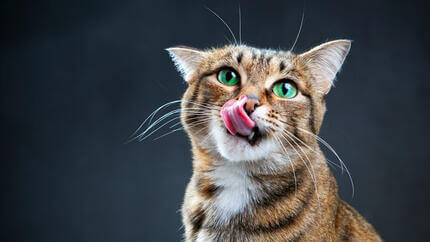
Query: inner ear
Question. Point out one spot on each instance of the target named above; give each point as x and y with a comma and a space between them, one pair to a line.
187, 60
324, 61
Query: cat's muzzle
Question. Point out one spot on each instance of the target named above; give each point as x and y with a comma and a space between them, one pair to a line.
237, 120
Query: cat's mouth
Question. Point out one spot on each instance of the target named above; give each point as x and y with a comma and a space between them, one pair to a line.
238, 122
253, 138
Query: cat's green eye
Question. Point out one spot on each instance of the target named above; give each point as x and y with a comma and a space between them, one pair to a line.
228, 77
285, 89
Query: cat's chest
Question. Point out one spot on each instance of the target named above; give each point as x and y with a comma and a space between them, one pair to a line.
236, 191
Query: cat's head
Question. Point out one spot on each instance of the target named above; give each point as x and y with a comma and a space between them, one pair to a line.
244, 103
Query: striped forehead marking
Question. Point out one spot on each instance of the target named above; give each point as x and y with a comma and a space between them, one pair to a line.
256, 56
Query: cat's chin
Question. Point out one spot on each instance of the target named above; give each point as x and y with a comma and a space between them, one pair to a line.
237, 148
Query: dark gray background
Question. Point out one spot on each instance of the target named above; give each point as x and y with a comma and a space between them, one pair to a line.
78, 77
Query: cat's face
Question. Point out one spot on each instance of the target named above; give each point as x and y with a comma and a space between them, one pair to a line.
244, 103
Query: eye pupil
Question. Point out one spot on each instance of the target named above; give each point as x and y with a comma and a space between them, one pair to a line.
229, 75
284, 88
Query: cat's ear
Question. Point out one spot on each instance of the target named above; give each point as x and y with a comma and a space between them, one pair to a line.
324, 61
187, 60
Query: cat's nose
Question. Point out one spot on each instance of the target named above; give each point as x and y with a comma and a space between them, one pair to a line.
251, 103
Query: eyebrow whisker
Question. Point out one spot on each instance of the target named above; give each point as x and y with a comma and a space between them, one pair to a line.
225, 24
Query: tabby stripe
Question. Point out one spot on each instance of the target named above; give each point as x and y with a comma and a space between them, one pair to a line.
261, 59
206, 188
281, 66
195, 117
197, 218
346, 233
297, 237
312, 117
195, 94
239, 57
296, 130
236, 92
206, 99
193, 99
268, 59
274, 196
228, 55
287, 220
351, 210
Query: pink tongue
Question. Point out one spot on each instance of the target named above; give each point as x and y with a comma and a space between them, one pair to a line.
235, 118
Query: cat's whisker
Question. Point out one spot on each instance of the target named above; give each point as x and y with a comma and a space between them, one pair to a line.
204, 104
199, 117
152, 115
310, 148
177, 117
228, 40
215, 119
290, 160
187, 120
321, 140
225, 24
156, 122
306, 156
171, 120
328, 146
181, 128
150, 118
162, 118
159, 127
170, 132
176, 111
301, 149
196, 110
240, 25
196, 113
300, 30
307, 167
181, 228
200, 130
298, 153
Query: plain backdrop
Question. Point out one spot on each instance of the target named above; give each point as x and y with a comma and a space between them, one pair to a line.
78, 77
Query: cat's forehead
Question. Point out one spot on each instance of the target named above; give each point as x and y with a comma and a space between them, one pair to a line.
251, 58
243, 51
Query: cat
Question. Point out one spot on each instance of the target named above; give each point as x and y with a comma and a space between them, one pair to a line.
253, 116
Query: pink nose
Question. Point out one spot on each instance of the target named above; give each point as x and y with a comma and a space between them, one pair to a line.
250, 104
235, 115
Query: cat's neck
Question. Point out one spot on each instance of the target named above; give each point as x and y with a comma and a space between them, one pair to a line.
233, 189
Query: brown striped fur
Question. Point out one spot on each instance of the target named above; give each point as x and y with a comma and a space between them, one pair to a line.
282, 202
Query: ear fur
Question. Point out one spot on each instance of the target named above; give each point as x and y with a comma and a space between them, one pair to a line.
187, 60
324, 61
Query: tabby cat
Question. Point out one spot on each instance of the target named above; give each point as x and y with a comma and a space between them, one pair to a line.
253, 116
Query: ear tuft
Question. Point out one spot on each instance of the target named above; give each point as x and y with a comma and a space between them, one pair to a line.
187, 60
325, 60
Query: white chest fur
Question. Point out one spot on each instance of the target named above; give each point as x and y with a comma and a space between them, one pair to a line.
236, 191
